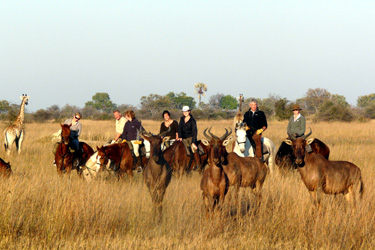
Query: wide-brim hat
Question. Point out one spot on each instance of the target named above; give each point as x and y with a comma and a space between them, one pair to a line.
185, 108
296, 107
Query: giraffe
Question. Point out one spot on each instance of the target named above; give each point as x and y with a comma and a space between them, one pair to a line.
16, 131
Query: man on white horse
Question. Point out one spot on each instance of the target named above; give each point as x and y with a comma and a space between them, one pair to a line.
257, 124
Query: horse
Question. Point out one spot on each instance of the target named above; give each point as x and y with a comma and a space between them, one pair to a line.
176, 156
243, 148
64, 157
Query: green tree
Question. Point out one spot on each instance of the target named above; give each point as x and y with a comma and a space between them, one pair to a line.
153, 104
4, 106
180, 100
282, 111
101, 102
228, 102
330, 110
366, 100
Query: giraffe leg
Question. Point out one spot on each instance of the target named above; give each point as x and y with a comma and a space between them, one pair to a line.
19, 141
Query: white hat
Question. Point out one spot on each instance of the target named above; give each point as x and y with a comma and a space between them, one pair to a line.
185, 108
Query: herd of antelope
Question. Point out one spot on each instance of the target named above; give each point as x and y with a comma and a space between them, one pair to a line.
225, 169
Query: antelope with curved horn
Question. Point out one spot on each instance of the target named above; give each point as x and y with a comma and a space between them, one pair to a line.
324, 176
158, 173
214, 182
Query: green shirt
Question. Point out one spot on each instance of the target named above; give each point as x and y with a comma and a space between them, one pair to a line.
296, 127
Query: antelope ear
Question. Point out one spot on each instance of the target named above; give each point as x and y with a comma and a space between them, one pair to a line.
309, 141
205, 142
289, 142
226, 142
167, 138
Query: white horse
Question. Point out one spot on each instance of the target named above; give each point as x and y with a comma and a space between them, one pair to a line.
243, 148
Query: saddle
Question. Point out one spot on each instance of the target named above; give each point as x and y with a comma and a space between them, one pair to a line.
199, 150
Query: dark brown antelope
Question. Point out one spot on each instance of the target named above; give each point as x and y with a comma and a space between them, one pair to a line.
323, 176
5, 169
285, 157
245, 172
214, 183
158, 173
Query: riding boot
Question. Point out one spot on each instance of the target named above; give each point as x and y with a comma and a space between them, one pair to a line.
139, 164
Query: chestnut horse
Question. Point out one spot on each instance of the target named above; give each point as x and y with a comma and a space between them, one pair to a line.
64, 157
177, 157
121, 158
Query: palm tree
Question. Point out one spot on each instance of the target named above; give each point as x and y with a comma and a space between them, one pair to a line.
200, 88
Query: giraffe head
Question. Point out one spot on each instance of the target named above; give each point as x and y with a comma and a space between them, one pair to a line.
25, 98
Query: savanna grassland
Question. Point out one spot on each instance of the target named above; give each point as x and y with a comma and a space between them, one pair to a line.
40, 210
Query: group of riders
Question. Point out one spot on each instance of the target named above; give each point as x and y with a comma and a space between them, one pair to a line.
128, 129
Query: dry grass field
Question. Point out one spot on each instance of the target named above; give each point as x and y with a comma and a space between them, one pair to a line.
40, 210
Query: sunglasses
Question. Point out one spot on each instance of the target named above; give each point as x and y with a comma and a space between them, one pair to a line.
77, 118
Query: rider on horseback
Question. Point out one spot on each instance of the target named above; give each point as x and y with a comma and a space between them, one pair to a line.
75, 132
257, 124
131, 135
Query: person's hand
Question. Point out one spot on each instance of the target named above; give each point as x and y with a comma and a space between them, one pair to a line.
259, 131
179, 139
247, 127
194, 146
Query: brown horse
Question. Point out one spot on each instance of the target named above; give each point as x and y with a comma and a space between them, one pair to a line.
5, 169
177, 157
120, 156
64, 157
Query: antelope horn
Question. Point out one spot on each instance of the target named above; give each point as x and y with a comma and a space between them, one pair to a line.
212, 135
205, 134
305, 136
226, 134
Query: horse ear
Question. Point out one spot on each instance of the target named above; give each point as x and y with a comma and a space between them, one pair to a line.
61, 125
97, 148
145, 137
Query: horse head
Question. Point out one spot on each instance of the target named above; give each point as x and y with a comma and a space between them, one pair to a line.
65, 133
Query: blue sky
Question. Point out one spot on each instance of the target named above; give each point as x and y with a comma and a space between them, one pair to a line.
63, 52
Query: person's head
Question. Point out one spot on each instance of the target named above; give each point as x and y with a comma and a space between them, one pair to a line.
296, 109
253, 104
186, 110
129, 114
166, 115
117, 114
77, 116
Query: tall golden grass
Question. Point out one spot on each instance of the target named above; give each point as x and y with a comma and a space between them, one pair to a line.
39, 210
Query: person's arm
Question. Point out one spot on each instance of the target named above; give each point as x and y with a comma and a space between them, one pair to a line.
179, 131
175, 126
79, 128
289, 126
194, 131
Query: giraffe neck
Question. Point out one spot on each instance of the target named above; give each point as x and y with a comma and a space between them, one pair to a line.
21, 115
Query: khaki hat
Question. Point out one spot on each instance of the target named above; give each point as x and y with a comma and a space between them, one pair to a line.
296, 107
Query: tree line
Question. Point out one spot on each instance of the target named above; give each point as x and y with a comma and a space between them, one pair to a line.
317, 104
